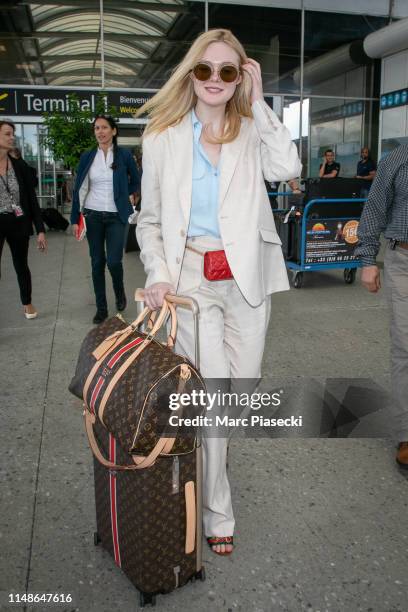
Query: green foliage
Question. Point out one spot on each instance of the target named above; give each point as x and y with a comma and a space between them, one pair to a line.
68, 134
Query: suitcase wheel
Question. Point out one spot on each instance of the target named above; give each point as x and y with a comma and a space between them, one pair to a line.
97, 539
146, 598
200, 575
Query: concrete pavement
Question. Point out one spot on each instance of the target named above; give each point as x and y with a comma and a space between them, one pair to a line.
322, 524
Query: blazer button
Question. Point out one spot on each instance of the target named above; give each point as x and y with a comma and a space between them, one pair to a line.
178, 260
182, 233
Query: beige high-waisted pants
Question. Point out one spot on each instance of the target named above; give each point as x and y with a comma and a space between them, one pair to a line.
232, 338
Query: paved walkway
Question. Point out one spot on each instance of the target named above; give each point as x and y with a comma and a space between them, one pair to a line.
322, 525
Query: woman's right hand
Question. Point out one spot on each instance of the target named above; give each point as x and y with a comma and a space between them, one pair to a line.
154, 295
75, 229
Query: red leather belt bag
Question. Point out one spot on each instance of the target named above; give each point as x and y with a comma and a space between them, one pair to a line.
216, 266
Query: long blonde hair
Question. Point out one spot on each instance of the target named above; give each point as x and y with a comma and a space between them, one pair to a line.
177, 97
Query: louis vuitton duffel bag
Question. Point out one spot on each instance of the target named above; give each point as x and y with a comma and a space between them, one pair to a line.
125, 378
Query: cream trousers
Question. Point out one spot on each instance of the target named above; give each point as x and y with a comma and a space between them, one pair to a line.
232, 338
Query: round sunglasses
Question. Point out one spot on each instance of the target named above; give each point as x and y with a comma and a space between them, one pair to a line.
227, 72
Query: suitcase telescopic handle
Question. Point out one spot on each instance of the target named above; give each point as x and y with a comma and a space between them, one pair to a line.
185, 302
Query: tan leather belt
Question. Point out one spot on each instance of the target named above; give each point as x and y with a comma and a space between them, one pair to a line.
190, 248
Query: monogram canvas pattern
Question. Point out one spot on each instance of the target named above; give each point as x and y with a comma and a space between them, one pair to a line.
151, 519
137, 410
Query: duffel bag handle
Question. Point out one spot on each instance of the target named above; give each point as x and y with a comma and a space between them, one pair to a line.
109, 343
171, 338
132, 357
164, 445
186, 302
156, 323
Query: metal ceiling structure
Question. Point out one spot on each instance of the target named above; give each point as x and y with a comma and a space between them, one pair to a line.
60, 43
63, 43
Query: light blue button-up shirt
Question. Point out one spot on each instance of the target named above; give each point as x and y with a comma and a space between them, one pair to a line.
204, 201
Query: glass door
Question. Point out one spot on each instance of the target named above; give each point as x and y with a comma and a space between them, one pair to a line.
47, 180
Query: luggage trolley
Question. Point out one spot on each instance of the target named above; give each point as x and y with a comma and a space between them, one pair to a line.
326, 241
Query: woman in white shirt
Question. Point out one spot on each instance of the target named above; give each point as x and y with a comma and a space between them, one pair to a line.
106, 182
210, 143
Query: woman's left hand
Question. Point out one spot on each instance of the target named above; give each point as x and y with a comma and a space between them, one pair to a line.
253, 68
42, 242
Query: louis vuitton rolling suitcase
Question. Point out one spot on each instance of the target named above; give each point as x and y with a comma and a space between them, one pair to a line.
148, 503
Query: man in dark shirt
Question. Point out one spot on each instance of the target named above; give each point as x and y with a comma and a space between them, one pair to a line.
386, 211
366, 167
329, 168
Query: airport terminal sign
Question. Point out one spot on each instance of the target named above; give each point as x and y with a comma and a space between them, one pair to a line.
351, 109
36, 102
394, 98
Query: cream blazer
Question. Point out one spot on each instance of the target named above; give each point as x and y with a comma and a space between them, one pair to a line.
263, 149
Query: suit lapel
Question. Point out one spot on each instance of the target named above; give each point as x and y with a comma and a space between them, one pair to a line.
181, 143
229, 158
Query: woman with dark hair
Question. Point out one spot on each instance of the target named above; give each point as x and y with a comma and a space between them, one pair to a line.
19, 210
106, 180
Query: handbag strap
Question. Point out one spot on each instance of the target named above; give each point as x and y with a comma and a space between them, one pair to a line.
116, 338
112, 341
190, 248
163, 445
171, 338
133, 356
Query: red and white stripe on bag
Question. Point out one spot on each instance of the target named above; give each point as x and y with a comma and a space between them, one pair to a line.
111, 363
113, 502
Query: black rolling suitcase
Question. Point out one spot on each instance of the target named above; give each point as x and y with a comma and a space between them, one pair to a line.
334, 188
53, 219
131, 243
288, 225
148, 519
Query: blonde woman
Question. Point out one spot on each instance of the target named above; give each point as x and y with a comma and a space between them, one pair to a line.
210, 142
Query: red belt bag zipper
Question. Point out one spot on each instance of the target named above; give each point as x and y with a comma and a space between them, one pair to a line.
216, 266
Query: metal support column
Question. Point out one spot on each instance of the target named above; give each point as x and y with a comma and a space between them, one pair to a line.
102, 41
302, 61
